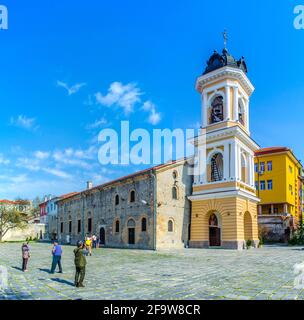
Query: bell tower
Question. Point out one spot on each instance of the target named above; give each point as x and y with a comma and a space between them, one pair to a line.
224, 202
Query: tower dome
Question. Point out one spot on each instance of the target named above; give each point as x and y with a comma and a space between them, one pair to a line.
217, 61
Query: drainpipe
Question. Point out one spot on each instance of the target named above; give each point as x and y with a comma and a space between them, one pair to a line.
154, 209
83, 223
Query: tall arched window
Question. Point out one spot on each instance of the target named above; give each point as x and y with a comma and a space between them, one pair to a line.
132, 196
241, 112
117, 226
143, 224
117, 200
170, 226
217, 110
174, 193
217, 167
244, 168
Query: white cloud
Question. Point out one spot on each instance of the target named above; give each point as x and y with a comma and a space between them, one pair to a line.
124, 96
154, 117
57, 173
97, 124
3, 160
24, 122
41, 155
71, 90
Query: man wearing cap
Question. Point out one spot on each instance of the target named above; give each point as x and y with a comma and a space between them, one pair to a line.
80, 264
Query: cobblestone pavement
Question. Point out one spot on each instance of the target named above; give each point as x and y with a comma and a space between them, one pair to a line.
265, 273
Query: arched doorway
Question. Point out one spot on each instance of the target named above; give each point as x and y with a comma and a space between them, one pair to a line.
247, 226
102, 236
131, 231
214, 231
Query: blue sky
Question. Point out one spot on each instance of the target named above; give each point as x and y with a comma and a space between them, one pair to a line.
63, 61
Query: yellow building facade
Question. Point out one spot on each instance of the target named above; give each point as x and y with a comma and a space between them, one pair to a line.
224, 201
279, 184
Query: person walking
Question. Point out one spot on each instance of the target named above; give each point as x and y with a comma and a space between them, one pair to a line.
25, 256
94, 238
88, 244
80, 264
57, 253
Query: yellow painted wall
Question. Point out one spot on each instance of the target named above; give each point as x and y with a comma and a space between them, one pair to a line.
231, 211
282, 178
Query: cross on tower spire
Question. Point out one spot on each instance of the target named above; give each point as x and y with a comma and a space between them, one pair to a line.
225, 36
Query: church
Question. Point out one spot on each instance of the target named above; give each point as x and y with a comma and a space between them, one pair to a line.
224, 202
165, 206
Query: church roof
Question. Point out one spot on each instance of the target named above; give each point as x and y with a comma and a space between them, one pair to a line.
217, 61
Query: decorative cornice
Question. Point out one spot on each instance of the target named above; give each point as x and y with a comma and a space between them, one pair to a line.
222, 73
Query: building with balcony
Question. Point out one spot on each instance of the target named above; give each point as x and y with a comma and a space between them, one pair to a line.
279, 184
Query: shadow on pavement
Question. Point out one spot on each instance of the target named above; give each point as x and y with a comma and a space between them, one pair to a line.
63, 281
45, 270
17, 268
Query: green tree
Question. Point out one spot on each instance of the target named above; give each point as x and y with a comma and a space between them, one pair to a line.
298, 237
11, 219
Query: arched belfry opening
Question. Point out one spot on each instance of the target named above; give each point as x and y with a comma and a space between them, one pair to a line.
217, 167
217, 110
241, 112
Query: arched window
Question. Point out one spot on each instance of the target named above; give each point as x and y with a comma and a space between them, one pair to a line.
170, 226
174, 174
217, 110
117, 226
241, 112
132, 196
143, 224
117, 200
213, 222
217, 167
244, 168
131, 223
174, 193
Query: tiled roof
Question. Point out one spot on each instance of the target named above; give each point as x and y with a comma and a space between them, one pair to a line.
271, 150
126, 177
14, 202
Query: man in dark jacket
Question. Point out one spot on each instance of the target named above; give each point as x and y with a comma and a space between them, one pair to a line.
80, 264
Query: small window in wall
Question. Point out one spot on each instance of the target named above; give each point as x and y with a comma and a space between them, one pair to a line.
61, 227
170, 226
117, 226
256, 167
262, 185
143, 224
132, 196
79, 226
90, 225
174, 174
174, 193
269, 185
70, 226
257, 185
269, 165
117, 200
262, 166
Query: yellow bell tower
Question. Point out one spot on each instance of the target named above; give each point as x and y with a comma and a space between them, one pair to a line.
224, 202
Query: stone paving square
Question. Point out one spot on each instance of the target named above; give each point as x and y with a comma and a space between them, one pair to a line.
255, 274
